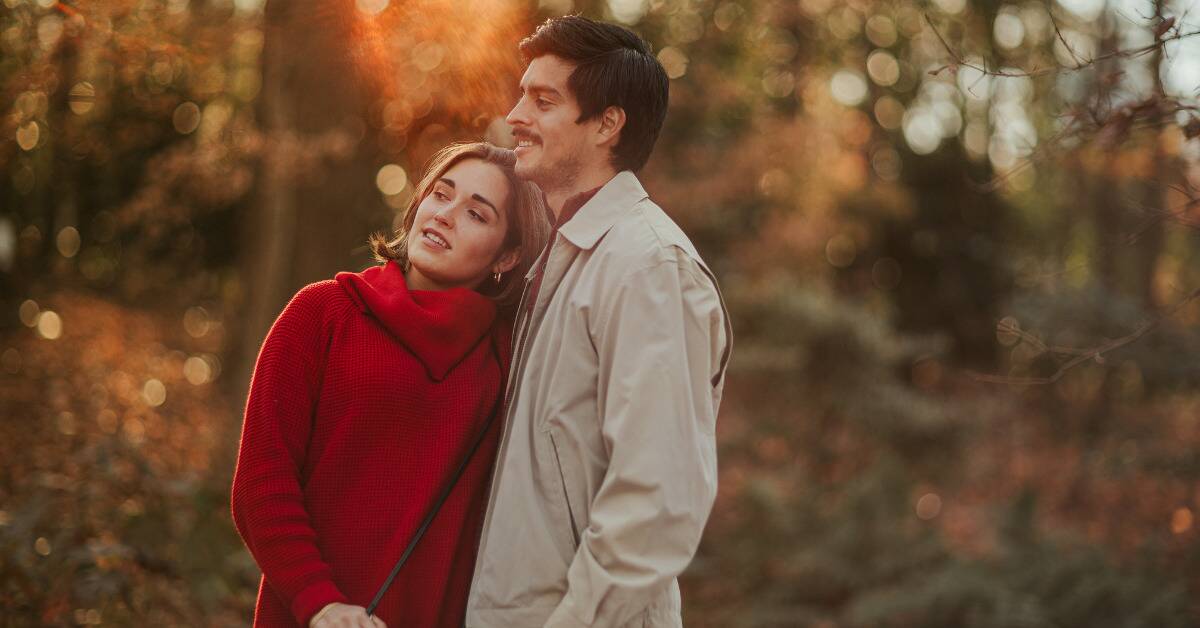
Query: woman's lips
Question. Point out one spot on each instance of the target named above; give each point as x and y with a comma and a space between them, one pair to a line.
434, 239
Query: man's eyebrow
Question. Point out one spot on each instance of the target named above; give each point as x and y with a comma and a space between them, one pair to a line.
541, 89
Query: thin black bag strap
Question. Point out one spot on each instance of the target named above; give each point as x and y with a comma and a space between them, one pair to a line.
437, 505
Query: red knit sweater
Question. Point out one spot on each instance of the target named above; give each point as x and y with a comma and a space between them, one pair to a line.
364, 398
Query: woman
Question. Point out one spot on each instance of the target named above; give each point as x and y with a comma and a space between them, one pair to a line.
368, 393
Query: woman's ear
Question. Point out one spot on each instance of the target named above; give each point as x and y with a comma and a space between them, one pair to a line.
507, 261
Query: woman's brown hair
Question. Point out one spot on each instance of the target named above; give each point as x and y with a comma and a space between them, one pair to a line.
528, 222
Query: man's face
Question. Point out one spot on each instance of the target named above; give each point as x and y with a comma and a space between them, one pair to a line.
552, 148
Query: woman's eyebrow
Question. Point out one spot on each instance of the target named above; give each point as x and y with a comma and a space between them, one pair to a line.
450, 182
486, 202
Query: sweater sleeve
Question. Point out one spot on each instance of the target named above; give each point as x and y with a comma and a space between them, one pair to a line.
267, 502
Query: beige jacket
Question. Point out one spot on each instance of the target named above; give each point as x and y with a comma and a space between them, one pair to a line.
607, 468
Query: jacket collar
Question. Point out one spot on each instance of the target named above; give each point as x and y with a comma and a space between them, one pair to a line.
598, 215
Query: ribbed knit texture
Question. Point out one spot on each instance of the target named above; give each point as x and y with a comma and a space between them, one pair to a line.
364, 399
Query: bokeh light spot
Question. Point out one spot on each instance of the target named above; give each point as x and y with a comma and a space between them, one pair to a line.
922, 131
372, 7
214, 366
848, 87
951, 7
186, 117
49, 325
778, 83
1182, 520
886, 163
975, 140
674, 61
67, 241
134, 430
196, 322
246, 84
28, 135
928, 506
727, 14
49, 30
883, 68
1087, 10
197, 371
391, 179
42, 546
1008, 30
1007, 331
154, 392
685, 27
881, 30
628, 11
841, 251
428, 55
889, 113
29, 311
81, 98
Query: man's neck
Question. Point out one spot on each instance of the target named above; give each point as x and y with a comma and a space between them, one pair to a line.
557, 197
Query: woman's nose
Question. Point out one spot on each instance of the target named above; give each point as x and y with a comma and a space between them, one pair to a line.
443, 216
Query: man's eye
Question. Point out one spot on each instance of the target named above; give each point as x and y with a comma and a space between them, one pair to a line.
543, 103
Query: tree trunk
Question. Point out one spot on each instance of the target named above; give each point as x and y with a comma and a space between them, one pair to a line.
308, 222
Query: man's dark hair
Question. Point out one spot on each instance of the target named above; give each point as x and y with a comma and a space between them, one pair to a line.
613, 67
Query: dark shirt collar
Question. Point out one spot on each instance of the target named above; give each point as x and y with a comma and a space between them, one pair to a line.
572, 206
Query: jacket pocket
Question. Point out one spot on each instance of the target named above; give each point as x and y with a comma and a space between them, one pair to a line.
562, 479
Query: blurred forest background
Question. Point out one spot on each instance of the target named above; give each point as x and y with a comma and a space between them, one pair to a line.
958, 238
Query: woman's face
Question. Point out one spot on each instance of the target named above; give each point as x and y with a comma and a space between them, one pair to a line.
459, 228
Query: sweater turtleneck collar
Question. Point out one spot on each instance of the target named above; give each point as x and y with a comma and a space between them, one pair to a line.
439, 327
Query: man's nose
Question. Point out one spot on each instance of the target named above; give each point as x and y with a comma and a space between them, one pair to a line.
517, 117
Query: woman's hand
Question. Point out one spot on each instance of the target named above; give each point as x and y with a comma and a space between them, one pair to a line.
344, 616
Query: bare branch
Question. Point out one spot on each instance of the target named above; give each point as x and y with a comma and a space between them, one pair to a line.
1131, 53
1041, 153
1058, 33
1082, 355
1014, 329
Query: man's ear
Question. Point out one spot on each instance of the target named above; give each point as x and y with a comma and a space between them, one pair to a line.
508, 260
612, 120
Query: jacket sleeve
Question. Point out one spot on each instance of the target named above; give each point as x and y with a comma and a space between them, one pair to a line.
662, 345
267, 503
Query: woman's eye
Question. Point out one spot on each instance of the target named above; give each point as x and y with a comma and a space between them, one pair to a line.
475, 215
441, 196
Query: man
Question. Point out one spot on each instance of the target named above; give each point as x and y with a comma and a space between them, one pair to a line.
606, 471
